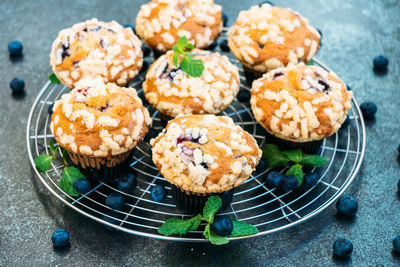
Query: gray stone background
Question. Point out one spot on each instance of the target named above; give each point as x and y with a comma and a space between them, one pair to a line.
354, 32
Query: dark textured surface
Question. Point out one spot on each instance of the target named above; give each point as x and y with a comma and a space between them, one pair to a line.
354, 32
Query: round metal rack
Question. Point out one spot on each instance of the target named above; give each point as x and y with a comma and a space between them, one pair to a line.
270, 210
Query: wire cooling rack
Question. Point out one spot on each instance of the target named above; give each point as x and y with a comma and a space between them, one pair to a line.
270, 210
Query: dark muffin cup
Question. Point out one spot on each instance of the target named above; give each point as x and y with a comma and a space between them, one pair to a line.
307, 147
193, 203
101, 169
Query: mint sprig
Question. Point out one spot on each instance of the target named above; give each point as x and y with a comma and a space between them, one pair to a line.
69, 175
277, 158
43, 162
212, 206
189, 65
53, 78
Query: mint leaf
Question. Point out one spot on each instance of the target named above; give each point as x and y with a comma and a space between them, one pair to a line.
43, 162
193, 67
53, 78
216, 239
274, 156
293, 155
175, 226
211, 208
189, 47
182, 42
314, 160
175, 59
195, 222
69, 175
242, 229
310, 63
207, 231
64, 156
297, 171
53, 149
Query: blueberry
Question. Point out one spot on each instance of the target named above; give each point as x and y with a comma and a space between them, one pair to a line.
222, 226
262, 165
368, 110
81, 186
17, 85
15, 48
266, 2
212, 46
244, 96
224, 45
310, 180
110, 220
381, 63
396, 244
342, 247
146, 50
347, 205
50, 109
398, 185
128, 25
145, 66
224, 19
127, 183
289, 183
60, 238
158, 193
274, 178
346, 122
115, 201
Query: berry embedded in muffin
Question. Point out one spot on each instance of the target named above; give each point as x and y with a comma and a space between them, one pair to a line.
267, 37
160, 23
94, 49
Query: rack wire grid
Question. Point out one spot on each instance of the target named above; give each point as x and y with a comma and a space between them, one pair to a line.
268, 209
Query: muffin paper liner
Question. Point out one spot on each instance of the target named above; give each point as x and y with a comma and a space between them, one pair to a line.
101, 169
307, 147
193, 203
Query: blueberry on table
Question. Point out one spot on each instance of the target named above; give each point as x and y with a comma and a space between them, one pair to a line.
266, 2
346, 122
17, 85
222, 226
381, 63
110, 220
224, 19
158, 193
15, 48
262, 165
396, 244
274, 178
115, 201
342, 248
60, 238
146, 50
244, 96
127, 183
50, 109
81, 186
368, 110
224, 45
310, 180
347, 205
289, 183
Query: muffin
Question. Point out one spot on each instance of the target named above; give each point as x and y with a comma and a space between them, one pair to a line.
203, 155
173, 92
160, 23
96, 49
99, 125
267, 37
300, 105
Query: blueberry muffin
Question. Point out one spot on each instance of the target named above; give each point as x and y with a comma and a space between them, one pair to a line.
96, 49
160, 23
300, 105
201, 155
173, 92
267, 37
99, 124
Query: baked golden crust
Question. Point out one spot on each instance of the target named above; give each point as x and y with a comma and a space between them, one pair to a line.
300, 103
99, 120
173, 92
205, 153
96, 49
160, 23
268, 37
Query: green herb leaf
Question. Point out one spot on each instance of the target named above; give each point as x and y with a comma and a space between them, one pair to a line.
182, 42
53, 148
216, 239
297, 171
211, 208
193, 67
175, 59
310, 63
53, 78
64, 156
195, 222
274, 156
293, 155
189, 47
43, 162
242, 229
175, 226
314, 160
69, 175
